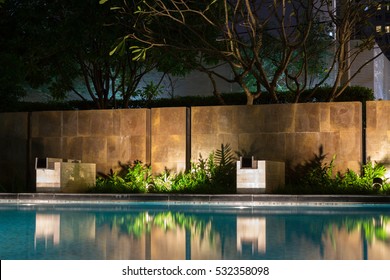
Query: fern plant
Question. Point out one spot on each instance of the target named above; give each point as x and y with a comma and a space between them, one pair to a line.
364, 183
214, 174
224, 176
134, 178
316, 177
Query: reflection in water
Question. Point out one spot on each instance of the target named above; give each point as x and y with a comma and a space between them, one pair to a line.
47, 228
167, 234
367, 238
164, 235
251, 233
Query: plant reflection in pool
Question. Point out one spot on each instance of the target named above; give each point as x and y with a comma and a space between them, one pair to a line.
193, 232
142, 223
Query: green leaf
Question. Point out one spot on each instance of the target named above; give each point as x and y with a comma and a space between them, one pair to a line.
139, 52
102, 1
120, 48
113, 51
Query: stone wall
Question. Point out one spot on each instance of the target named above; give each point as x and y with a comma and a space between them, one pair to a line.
13, 151
292, 133
104, 137
378, 133
171, 137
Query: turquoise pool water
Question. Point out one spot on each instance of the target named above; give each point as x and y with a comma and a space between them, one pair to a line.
142, 231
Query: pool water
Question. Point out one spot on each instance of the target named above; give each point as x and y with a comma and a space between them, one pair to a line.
143, 231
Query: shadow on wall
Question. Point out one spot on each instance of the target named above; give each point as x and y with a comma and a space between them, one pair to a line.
298, 171
13, 167
123, 169
252, 151
319, 176
314, 176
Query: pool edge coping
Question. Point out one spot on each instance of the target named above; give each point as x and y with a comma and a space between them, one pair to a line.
236, 199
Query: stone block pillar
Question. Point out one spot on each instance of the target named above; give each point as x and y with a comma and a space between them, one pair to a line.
263, 176
69, 176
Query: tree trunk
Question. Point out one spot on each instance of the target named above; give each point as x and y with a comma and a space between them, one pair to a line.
249, 96
216, 93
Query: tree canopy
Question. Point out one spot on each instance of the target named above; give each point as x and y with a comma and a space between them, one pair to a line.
58, 42
111, 45
262, 41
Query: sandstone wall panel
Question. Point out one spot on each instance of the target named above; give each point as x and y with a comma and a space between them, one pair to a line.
168, 141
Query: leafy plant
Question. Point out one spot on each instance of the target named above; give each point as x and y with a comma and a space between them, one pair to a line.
317, 177
198, 178
139, 176
162, 183
313, 177
135, 180
149, 92
225, 171
365, 183
215, 174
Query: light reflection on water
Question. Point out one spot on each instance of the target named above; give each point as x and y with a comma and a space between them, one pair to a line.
159, 232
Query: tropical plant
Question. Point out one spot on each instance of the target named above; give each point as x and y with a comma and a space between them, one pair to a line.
162, 183
364, 183
215, 174
225, 171
317, 177
136, 178
149, 92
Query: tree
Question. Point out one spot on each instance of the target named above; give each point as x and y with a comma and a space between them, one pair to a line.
61, 41
11, 66
238, 28
176, 61
354, 35
308, 62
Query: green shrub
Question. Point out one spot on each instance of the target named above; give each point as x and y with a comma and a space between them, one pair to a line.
312, 177
197, 179
316, 177
352, 93
163, 183
215, 174
351, 182
133, 178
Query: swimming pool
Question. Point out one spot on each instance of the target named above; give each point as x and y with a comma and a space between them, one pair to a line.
162, 231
